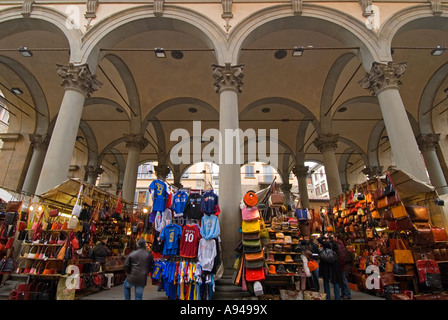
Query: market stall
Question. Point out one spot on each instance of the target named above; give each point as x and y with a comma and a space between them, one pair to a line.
71, 240
394, 226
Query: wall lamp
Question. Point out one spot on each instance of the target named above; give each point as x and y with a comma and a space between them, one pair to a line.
297, 52
160, 53
439, 50
25, 52
16, 91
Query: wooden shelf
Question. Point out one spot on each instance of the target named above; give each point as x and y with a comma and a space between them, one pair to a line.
283, 262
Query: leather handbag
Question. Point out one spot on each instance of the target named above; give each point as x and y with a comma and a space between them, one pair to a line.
13, 206
53, 213
439, 234
251, 226
252, 264
404, 224
399, 211
251, 249
276, 200
425, 266
302, 214
250, 199
305, 228
417, 213
251, 213
403, 255
251, 236
251, 243
254, 256
398, 243
256, 274
423, 235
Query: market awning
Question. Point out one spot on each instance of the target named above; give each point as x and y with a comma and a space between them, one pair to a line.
407, 185
6, 196
67, 192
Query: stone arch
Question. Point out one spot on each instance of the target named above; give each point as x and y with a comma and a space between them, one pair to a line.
335, 23
426, 102
413, 17
37, 94
41, 18
131, 90
174, 18
326, 114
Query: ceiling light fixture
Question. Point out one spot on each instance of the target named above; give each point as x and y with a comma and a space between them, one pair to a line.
160, 53
446, 90
79, 138
25, 52
439, 50
297, 52
265, 110
192, 110
342, 109
280, 54
17, 91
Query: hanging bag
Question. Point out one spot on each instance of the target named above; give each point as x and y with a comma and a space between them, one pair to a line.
78, 206
119, 207
403, 255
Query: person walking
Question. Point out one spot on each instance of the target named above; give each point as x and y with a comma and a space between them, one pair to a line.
100, 253
329, 269
137, 266
308, 247
343, 258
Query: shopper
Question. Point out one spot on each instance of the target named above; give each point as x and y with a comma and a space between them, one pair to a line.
309, 248
137, 266
343, 258
330, 271
101, 252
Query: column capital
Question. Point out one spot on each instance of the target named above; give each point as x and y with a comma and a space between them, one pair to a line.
228, 77
372, 171
383, 76
326, 142
78, 78
93, 171
428, 142
39, 141
162, 171
136, 142
300, 171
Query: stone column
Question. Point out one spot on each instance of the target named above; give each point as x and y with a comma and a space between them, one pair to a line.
286, 190
135, 143
301, 173
427, 144
92, 173
228, 84
39, 144
327, 144
383, 81
79, 83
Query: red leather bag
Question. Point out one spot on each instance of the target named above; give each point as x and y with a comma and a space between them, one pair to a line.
257, 274
439, 234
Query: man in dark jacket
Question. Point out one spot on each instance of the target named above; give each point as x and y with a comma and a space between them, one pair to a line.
137, 265
330, 271
343, 257
101, 252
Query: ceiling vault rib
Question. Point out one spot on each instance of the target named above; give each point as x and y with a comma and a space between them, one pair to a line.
343, 89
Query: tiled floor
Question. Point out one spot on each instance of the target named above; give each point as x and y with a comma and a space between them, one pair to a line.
151, 293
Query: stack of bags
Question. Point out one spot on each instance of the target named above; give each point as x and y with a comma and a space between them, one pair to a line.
252, 248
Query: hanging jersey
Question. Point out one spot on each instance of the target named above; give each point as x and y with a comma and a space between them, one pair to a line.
179, 202
210, 227
170, 236
160, 190
192, 208
209, 203
162, 219
206, 254
189, 241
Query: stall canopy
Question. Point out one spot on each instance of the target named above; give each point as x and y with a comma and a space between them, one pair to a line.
67, 192
6, 196
409, 186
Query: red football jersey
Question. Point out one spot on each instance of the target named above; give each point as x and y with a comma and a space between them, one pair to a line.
189, 241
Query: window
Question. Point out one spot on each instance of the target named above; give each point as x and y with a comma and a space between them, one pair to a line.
250, 171
268, 176
4, 113
145, 171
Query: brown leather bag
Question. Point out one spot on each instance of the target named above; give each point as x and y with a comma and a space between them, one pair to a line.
439, 234
417, 213
404, 224
423, 235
